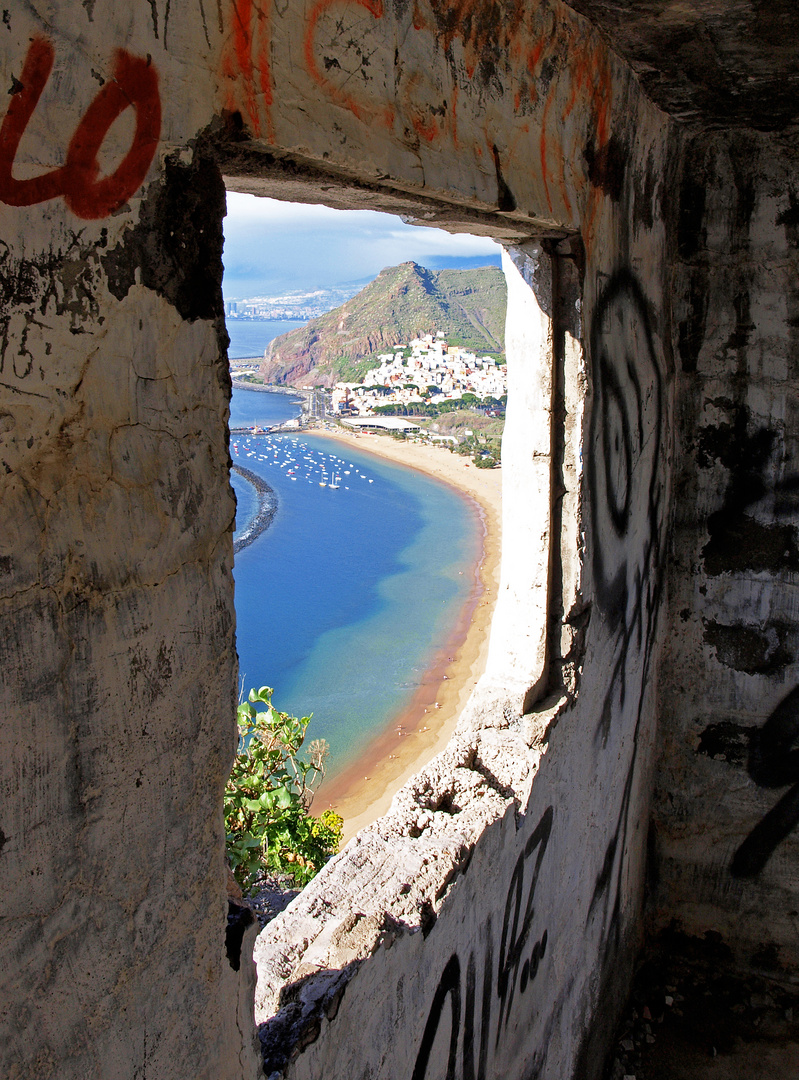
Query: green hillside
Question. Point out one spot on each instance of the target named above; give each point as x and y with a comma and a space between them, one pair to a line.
468, 306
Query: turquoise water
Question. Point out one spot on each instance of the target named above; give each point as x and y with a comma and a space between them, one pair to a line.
342, 602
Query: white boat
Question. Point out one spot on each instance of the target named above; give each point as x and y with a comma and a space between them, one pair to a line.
336, 481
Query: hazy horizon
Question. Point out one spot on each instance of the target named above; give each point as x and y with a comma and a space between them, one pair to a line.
274, 247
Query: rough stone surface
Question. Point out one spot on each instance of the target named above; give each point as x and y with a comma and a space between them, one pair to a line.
727, 798
726, 62
487, 926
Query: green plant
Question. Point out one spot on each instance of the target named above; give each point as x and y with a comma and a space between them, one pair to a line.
268, 796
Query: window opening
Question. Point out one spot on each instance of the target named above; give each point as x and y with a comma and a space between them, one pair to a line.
295, 460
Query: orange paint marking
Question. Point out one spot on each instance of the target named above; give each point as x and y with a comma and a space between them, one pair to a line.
247, 63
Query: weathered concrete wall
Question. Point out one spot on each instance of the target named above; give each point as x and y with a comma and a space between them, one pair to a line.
117, 641
727, 801
508, 878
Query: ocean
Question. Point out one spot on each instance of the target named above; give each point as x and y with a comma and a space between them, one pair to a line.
249, 337
342, 602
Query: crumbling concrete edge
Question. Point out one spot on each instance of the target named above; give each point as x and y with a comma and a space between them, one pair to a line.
393, 877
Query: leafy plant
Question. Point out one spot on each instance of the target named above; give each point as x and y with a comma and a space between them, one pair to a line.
269, 793
485, 461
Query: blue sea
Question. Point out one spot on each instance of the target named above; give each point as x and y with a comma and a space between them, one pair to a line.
342, 602
249, 337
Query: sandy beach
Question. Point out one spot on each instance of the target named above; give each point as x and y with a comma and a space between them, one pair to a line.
363, 792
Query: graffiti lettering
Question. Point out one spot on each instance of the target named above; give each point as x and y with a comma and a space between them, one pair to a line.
511, 971
89, 195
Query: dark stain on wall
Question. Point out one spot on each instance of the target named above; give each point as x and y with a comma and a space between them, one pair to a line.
177, 244
607, 166
789, 218
738, 542
644, 195
505, 197
149, 676
691, 241
691, 329
65, 282
739, 338
751, 649
691, 229
726, 741
746, 192
484, 24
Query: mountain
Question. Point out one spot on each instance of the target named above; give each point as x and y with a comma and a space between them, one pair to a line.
468, 306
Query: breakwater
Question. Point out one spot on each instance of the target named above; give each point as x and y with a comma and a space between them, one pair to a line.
268, 388
267, 508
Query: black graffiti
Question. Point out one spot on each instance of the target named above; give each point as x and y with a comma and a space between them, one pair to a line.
625, 474
485, 1011
773, 763
754, 456
449, 986
515, 935
513, 967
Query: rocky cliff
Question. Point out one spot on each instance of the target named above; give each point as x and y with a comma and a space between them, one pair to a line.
468, 306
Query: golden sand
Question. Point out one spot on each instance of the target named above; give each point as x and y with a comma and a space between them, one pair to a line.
363, 792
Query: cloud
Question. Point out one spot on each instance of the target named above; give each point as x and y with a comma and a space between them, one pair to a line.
272, 245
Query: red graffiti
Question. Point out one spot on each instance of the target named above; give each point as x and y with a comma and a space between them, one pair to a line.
247, 57
86, 193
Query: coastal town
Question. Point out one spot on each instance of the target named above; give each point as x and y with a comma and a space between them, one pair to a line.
300, 305
426, 371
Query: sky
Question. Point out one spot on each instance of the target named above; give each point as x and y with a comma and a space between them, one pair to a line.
273, 246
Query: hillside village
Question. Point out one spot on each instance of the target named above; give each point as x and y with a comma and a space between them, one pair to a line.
402, 304
427, 371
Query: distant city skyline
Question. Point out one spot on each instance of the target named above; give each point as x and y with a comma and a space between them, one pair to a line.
273, 246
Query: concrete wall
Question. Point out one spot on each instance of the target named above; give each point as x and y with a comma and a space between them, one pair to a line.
727, 798
117, 642
487, 925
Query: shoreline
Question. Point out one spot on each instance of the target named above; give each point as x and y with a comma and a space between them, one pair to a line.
363, 790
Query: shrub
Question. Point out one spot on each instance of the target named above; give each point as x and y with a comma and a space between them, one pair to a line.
268, 797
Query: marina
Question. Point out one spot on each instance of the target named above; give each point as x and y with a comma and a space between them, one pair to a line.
355, 585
